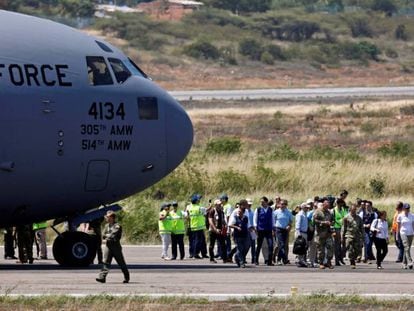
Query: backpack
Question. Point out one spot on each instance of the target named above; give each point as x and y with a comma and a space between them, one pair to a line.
299, 246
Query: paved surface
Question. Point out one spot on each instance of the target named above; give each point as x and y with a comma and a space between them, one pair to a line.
308, 93
153, 276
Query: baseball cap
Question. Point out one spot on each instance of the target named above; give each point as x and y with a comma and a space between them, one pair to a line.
406, 205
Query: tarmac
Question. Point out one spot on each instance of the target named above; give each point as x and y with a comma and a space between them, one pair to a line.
155, 277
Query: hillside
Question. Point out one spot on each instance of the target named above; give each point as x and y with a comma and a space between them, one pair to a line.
214, 48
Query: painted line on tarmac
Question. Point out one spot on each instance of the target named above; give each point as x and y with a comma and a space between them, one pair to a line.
217, 297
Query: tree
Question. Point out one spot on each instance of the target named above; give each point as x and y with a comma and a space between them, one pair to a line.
242, 6
386, 6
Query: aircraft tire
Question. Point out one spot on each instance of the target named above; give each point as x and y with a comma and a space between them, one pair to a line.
74, 249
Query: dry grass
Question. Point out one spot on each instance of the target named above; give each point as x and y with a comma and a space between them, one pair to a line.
321, 302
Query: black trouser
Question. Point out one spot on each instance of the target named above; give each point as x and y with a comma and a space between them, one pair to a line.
177, 239
221, 240
282, 236
261, 235
8, 243
382, 249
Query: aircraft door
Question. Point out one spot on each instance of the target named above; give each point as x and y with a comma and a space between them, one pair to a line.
97, 175
151, 138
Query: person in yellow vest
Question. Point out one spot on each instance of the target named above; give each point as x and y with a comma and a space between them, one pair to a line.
40, 238
177, 231
165, 227
339, 213
196, 215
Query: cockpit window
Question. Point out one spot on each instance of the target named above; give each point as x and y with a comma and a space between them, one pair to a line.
136, 71
98, 71
120, 70
148, 108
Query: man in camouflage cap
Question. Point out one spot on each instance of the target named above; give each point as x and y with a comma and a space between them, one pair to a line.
112, 236
353, 234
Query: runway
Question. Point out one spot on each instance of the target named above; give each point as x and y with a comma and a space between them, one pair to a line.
295, 93
152, 276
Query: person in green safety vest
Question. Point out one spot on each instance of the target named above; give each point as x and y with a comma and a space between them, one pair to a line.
196, 215
40, 239
339, 213
165, 228
177, 231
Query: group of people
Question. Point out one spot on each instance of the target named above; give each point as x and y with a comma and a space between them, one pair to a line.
326, 230
23, 237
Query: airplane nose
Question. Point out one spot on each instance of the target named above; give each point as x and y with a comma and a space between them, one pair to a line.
179, 133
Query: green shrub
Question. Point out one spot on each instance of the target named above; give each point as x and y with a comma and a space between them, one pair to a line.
360, 27
224, 145
231, 181
202, 50
377, 186
140, 220
386, 6
359, 51
275, 51
396, 149
283, 152
326, 152
407, 110
267, 58
251, 47
368, 128
401, 33
187, 178
264, 178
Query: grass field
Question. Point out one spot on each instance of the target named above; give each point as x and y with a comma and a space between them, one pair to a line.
321, 302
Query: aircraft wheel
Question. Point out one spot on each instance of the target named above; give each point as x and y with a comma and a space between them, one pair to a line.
74, 249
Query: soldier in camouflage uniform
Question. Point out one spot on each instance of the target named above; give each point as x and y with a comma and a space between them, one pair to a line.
112, 236
323, 237
353, 234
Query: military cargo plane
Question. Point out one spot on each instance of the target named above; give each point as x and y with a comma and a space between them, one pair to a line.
81, 126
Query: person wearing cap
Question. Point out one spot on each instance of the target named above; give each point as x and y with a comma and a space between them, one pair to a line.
197, 224
322, 218
301, 229
253, 236
112, 235
339, 212
177, 231
405, 222
165, 227
264, 224
217, 230
396, 233
353, 234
